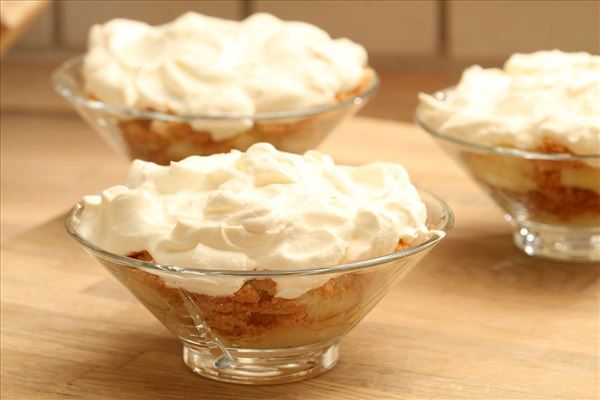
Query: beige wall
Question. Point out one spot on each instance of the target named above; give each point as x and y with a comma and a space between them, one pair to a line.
396, 33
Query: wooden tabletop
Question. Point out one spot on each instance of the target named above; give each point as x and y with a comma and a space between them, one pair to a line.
476, 319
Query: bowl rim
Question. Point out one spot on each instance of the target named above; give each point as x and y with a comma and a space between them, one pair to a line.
63, 73
506, 151
437, 234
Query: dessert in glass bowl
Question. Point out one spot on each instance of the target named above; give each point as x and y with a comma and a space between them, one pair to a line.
530, 136
260, 262
201, 85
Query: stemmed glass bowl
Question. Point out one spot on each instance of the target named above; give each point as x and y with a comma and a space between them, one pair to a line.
552, 200
252, 336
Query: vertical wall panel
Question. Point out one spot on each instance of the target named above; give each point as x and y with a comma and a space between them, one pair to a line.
495, 29
394, 31
389, 28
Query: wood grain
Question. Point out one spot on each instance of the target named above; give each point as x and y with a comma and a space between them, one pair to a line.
48, 162
476, 320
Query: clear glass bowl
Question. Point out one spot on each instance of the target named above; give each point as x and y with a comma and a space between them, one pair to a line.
163, 137
252, 336
551, 199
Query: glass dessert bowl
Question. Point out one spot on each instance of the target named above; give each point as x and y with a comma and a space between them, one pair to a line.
163, 137
253, 336
529, 134
550, 196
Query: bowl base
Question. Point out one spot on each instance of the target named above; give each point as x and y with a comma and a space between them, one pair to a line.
261, 367
557, 243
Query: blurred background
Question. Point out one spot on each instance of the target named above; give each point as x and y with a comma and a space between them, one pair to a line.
414, 45
418, 36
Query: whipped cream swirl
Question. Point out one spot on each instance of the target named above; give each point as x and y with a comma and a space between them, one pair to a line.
547, 94
204, 66
259, 210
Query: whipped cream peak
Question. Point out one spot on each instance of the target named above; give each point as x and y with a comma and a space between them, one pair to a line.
546, 94
259, 210
205, 66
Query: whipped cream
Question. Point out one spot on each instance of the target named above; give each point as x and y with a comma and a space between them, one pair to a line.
547, 94
204, 66
259, 210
